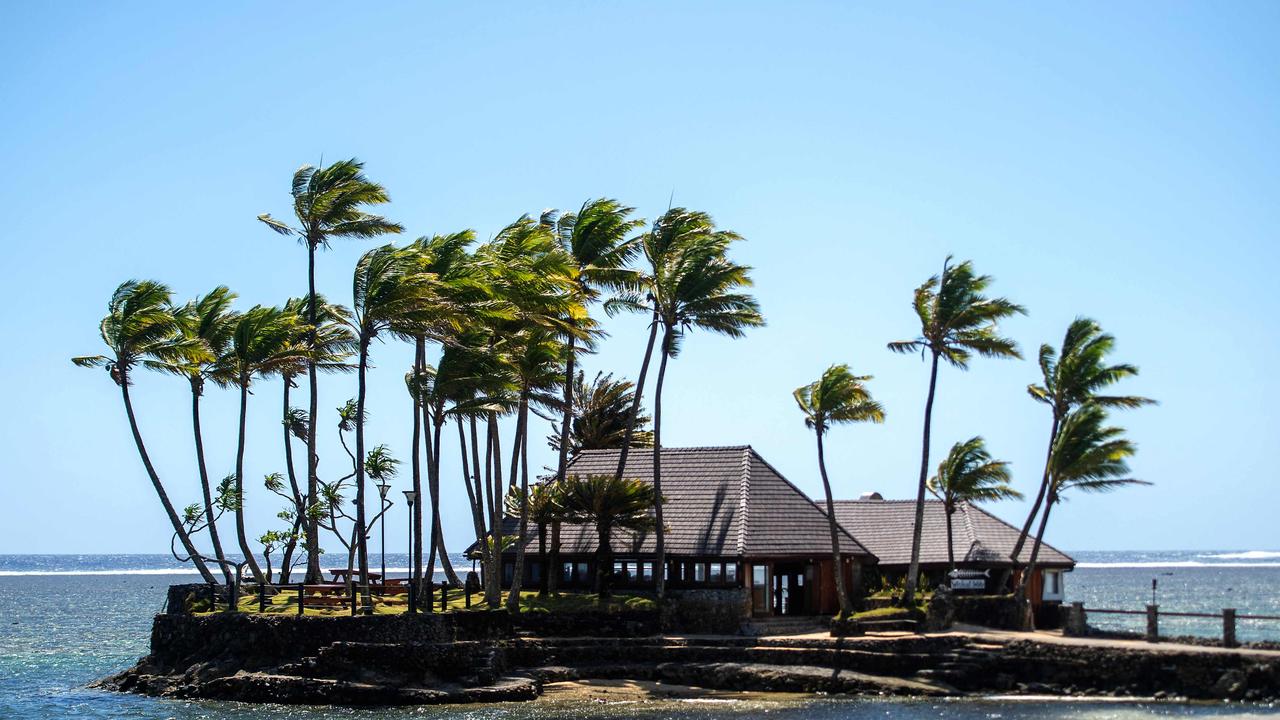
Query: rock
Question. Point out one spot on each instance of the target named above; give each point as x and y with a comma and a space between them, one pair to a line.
1232, 685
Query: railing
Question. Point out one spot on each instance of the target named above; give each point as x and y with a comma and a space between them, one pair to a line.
346, 596
1077, 620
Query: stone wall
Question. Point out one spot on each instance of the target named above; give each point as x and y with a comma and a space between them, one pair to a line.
625, 623
706, 611
993, 611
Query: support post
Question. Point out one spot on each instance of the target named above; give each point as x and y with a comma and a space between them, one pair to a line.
444, 596
1153, 623
302, 599
1077, 623
413, 606
431, 596
1229, 627
262, 598
354, 597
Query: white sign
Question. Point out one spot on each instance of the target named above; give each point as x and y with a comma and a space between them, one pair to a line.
968, 584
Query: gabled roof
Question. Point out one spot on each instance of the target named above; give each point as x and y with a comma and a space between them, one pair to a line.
885, 527
720, 501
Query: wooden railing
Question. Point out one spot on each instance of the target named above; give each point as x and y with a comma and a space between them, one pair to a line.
1077, 619
347, 596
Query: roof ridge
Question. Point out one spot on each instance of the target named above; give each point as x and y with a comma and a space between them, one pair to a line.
1009, 525
805, 495
744, 493
968, 525
665, 449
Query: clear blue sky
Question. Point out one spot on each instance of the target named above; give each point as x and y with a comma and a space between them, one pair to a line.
1113, 160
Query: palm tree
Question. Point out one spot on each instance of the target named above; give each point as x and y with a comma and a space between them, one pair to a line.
261, 345
690, 283
544, 508
1088, 456
969, 475
956, 321
390, 294
608, 503
601, 416
596, 239
206, 322
328, 202
1070, 379
837, 397
140, 328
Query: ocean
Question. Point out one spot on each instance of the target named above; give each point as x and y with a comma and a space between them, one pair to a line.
70, 619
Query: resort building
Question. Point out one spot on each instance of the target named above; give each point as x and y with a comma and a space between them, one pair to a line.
981, 544
735, 523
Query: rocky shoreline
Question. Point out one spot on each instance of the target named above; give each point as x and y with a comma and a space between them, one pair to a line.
482, 657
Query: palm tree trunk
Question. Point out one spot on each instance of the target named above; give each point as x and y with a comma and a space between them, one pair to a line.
300, 504
495, 528
210, 518
415, 562
1029, 617
1021, 590
240, 533
660, 553
635, 401
174, 520
951, 551
477, 511
563, 464
433, 479
913, 570
313, 460
837, 567
522, 447
480, 484
362, 552
428, 576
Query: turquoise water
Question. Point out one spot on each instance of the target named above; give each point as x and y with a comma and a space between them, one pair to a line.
61, 631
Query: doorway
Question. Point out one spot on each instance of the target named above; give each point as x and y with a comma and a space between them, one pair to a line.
790, 590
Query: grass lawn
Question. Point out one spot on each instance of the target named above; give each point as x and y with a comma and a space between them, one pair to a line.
285, 603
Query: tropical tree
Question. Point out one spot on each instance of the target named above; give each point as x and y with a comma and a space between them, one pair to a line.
608, 503
140, 328
689, 283
837, 397
601, 416
261, 345
956, 321
544, 508
206, 324
328, 203
969, 475
1088, 456
1078, 374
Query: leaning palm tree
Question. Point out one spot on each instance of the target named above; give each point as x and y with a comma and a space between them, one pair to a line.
956, 321
690, 283
261, 345
1070, 378
1088, 456
969, 475
596, 239
601, 415
140, 328
390, 295
207, 322
544, 509
609, 504
837, 397
328, 203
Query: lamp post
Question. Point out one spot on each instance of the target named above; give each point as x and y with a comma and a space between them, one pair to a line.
410, 497
383, 489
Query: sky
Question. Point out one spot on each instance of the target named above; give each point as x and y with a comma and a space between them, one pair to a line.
1113, 160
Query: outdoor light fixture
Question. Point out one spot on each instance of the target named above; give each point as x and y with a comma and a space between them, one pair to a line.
383, 489
409, 497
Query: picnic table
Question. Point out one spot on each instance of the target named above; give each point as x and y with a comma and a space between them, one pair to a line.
341, 575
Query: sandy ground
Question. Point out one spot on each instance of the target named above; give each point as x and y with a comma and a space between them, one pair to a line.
631, 691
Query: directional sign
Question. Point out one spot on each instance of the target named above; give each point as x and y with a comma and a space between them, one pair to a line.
968, 584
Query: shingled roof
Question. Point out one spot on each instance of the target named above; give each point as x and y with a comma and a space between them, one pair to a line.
885, 527
721, 501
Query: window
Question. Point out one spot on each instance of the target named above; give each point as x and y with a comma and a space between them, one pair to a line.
567, 574
582, 572
731, 572
758, 575
646, 571
717, 572
700, 572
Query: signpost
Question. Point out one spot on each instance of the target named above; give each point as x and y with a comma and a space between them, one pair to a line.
969, 579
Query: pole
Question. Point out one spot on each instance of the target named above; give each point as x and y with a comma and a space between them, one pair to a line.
382, 526
302, 595
412, 594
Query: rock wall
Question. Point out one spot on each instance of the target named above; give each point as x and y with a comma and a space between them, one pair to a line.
706, 611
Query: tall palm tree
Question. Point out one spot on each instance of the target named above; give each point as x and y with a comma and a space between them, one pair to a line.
140, 328
206, 322
956, 321
328, 203
601, 416
261, 345
969, 475
390, 294
1088, 456
544, 508
608, 503
1069, 379
837, 397
690, 283
596, 239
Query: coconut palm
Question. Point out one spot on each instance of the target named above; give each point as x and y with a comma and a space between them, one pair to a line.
328, 203
608, 503
206, 322
956, 321
1088, 456
140, 328
969, 475
544, 508
837, 397
689, 283
596, 239
1069, 379
601, 415
261, 345
391, 294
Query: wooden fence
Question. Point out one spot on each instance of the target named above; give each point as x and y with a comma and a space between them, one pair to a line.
1077, 620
